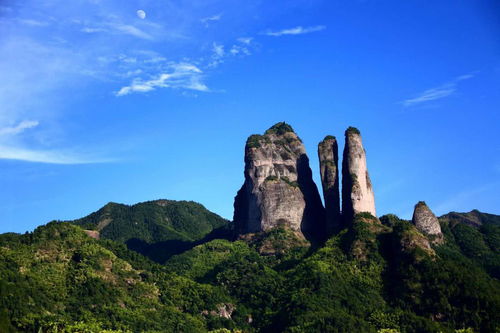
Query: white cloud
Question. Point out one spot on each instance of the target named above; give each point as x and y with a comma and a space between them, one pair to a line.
245, 40
33, 23
295, 31
131, 30
45, 156
445, 90
431, 95
119, 28
182, 75
92, 30
218, 50
18, 128
212, 18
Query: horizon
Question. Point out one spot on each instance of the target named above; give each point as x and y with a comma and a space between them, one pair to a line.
111, 102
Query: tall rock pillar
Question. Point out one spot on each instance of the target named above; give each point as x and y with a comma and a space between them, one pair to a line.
328, 162
357, 190
278, 189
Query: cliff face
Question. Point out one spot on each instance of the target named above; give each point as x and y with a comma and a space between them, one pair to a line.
328, 161
278, 188
427, 223
357, 191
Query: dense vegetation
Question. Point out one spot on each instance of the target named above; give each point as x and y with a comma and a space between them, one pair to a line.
157, 229
370, 277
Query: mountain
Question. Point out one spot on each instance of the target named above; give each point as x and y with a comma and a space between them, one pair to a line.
286, 264
157, 229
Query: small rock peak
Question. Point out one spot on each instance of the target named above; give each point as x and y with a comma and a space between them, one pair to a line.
278, 188
328, 160
427, 223
357, 189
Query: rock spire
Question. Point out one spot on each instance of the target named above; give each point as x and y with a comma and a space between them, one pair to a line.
357, 190
328, 162
278, 189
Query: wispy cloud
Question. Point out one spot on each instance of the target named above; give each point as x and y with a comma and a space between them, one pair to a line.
118, 28
18, 128
295, 31
33, 23
442, 91
245, 40
182, 75
46, 156
213, 18
132, 31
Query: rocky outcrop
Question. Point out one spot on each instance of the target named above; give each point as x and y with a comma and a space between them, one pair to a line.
328, 162
427, 223
92, 233
278, 189
357, 190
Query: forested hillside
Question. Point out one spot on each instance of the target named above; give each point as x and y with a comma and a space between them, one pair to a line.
367, 278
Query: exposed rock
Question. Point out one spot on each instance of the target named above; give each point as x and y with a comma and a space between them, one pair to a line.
427, 223
357, 190
223, 311
411, 240
328, 162
278, 189
92, 233
276, 242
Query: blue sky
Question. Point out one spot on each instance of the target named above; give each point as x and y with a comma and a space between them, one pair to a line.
100, 102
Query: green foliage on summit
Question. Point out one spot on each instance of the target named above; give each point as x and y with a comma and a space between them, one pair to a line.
280, 129
157, 229
153, 221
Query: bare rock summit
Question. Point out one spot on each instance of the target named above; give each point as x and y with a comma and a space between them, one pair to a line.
427, 223
278, 188
328, 154
357, 190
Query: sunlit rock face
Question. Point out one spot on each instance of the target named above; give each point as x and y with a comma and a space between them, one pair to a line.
357, 190
427, 223
278, 189
328, 162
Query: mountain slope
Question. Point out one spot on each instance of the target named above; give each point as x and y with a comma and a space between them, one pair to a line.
57, 278
157, 228
370, 277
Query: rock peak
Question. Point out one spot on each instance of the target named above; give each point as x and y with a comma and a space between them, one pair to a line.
357, 190
427, 223
328, 161
278, 189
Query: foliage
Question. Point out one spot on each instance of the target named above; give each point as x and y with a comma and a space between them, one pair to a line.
352, 130
280, 129
289, 182
329, 137
157, 229
254, 140
364, 279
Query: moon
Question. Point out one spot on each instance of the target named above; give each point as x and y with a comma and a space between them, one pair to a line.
141, 14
